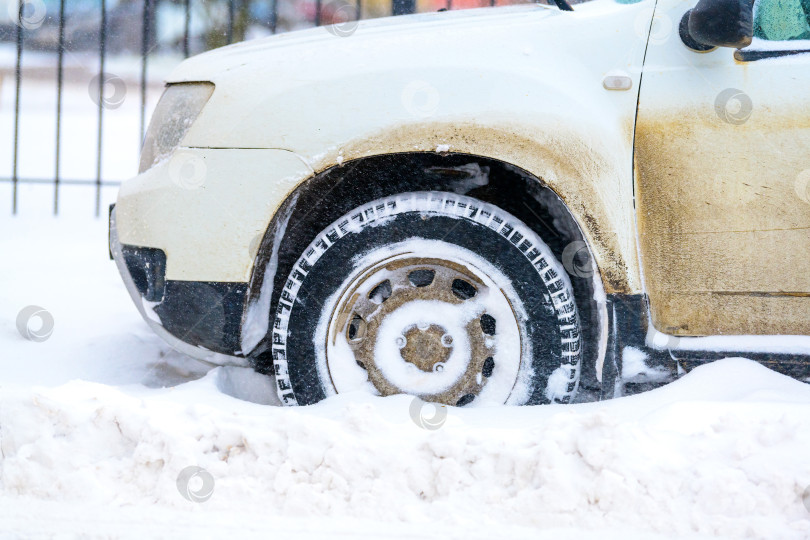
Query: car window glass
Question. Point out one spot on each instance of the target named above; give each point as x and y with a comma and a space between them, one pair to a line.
782, 20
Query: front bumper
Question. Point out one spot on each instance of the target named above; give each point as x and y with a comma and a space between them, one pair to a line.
186, 246
207, 224
199, 319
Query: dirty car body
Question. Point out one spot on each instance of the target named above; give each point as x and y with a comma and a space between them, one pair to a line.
691, 216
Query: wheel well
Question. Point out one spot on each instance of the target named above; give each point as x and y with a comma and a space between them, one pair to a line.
336, 191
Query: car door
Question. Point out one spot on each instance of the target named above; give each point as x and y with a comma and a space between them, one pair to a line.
722, 163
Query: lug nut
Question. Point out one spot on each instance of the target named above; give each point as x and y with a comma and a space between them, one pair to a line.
438, 367
401, 341
447, 340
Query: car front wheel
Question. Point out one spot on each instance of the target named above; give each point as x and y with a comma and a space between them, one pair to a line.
432, 294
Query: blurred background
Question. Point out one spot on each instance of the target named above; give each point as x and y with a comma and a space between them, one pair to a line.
79, 79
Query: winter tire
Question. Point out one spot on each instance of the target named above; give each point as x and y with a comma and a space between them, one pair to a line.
431, 294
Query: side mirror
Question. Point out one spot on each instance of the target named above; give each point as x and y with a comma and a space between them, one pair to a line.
718, 23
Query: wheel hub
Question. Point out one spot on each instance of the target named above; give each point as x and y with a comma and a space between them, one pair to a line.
426, 348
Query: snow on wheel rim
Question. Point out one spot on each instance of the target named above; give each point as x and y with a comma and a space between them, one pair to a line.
424, 318
382, 211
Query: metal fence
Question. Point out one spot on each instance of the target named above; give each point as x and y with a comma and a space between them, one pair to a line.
138, 28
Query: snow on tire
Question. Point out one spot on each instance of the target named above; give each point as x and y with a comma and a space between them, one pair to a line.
432, 294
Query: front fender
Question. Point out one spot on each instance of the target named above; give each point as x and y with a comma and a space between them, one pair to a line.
524, 87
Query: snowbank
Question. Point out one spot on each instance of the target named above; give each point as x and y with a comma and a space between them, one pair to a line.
720, 452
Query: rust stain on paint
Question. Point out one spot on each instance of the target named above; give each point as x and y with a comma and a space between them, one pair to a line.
724, 236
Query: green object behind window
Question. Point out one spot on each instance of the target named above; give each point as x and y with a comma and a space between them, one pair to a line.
782, 20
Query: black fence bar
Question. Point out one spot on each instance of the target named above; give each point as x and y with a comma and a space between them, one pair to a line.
403, 7
273, 16
186, 26
145, 37
102, 54
60, 64
231, 17
18, 79
318, 8
65, 182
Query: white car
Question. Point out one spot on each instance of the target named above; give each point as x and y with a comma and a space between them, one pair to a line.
501, 205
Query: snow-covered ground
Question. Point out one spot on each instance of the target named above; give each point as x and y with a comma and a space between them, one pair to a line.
99, 421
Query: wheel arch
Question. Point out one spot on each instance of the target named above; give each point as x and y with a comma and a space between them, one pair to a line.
586, 164
326, 196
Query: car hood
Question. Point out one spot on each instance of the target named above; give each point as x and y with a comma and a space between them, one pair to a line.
312, 91
393, 32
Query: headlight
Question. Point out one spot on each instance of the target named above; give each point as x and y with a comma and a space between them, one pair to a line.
177, 109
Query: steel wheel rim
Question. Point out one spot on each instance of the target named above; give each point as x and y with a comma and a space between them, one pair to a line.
455, 329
